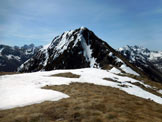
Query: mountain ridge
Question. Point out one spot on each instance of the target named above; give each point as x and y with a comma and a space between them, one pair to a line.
144, 59
12, 57
79, 48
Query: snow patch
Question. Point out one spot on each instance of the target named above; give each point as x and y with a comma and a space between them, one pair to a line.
87, 52
119, 60
46, 57
13, 57
155, 55
22, 96
25, 89
128, 70
115, 70
1, 51
160, 91
30, 51
45, 47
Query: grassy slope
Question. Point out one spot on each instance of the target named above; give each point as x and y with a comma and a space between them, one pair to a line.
88, 103
8, 73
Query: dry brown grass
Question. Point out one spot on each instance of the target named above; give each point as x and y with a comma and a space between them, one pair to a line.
151, 90
67, 75
107, 67
8, 73
110, 79
88, 103
155, 85
145, 80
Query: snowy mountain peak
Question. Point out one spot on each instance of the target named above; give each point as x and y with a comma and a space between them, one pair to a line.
61, 43
74, 49
83, 28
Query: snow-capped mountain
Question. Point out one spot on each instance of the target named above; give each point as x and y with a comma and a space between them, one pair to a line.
79, 48
144, 59
94, 77
12, 57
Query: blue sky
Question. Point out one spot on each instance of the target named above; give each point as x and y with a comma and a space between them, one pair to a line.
119, 22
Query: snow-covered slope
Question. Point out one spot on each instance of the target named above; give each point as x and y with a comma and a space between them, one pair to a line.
144, 54
12, 57
146, 60
74, 49
26, 89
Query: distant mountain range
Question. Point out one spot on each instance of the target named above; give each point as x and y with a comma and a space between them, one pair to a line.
137, 53
12, 57
145, 59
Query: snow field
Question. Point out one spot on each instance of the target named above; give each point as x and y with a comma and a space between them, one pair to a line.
25, 89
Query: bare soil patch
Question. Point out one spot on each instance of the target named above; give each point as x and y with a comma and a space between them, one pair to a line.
67, 75
8, 73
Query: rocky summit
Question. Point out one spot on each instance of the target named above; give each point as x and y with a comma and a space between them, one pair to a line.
81, 48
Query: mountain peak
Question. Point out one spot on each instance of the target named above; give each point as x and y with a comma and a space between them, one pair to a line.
73, 49
79, 48
83, 28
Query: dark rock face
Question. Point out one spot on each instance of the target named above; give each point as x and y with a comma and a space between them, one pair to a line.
12, 57
74, 49
145, 60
